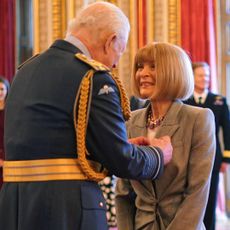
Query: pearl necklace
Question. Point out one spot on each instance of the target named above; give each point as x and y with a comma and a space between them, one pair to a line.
153, 123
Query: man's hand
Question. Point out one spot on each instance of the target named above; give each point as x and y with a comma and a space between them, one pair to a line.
164, 143
139, 141
223, 167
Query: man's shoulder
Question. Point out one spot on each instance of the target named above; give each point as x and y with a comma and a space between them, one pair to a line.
97, 66
217, 99
27, 61
189, 101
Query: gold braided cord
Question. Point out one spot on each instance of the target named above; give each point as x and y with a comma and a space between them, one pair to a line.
101, 67
83, 100
125, 104
80, 125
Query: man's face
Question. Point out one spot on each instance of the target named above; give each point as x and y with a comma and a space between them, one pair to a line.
201, 78
110, 51
114, 52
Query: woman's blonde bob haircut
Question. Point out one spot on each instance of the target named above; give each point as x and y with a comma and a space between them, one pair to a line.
174, 75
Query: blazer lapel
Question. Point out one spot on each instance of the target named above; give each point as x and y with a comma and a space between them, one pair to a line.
168, 127
170, 122
138, 127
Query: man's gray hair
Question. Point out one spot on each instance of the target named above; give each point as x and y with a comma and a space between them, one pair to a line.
101, 17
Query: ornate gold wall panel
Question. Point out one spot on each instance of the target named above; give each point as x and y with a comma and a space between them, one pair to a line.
49, 22
167, 21
133, 31
124, 67
113, 1
150, 20
58, 19
161, 20
174, 25
79, 4
70, 9
41, 30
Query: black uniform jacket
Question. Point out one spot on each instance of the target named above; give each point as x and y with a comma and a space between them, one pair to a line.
39, 125
220, 109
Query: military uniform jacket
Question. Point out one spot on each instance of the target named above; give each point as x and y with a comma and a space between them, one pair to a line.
220, 109
177, 200
39, 125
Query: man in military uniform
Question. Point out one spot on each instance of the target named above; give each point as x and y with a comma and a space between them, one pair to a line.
202, 97
65, 129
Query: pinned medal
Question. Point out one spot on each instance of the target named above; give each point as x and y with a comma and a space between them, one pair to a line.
106, 90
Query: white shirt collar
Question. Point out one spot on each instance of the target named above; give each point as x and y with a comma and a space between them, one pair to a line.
202, 95
76, 42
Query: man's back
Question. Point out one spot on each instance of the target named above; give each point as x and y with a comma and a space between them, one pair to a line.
39, 111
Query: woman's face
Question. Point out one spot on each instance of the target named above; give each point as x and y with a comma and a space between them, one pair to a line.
3, 91
146, 79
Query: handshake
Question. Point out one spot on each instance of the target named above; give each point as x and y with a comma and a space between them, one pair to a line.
164, 143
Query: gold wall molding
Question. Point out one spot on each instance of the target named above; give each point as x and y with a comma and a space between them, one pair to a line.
70, 9
161, 20
58, 19
150, 9
174, 19
50, 22
41, 28
133, 28
125, 64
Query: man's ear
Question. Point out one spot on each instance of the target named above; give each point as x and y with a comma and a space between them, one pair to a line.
110, 41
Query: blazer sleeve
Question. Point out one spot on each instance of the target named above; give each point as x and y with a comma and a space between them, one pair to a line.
125, 205
191, 211
107, 140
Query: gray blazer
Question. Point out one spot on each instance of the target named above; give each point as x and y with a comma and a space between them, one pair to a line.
177, 200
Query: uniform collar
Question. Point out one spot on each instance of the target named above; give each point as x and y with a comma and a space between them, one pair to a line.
202, 95
76, 42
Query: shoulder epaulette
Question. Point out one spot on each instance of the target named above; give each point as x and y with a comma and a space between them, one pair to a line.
219, 97
28, 60
94, 64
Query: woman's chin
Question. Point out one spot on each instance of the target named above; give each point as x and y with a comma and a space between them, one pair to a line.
145, 96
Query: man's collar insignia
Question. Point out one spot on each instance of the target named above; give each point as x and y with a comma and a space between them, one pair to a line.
94, 64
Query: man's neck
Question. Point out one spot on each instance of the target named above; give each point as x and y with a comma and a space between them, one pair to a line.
79, 44
200, 91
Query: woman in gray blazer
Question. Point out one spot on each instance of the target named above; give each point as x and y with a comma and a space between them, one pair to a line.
177, 200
